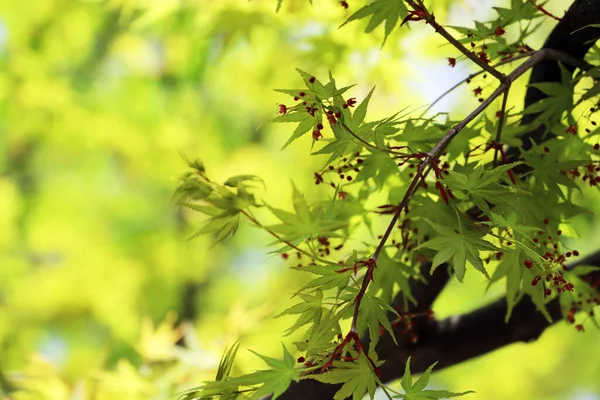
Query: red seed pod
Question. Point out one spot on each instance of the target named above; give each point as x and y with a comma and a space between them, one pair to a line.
443, 194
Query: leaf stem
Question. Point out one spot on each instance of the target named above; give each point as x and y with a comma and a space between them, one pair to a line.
257, 223
503, 118
474, 75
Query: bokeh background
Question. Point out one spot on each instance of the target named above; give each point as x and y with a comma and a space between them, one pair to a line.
99, 101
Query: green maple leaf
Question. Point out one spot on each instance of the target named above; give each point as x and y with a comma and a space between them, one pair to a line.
318, 339
310, 310
519, 10
549, 171
273, 381
278, 379
306, 222
223, 226
358, 116
457, 247
306, 123
373, 314
560, 97
357, 377
341, 144
330, 277
513, 222
417, 390
483, 187
378, 166
512, 268
595, 89
387, 275
380, 11
536, 293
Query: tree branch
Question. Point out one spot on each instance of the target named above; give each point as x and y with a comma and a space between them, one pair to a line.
460, 338
454, 339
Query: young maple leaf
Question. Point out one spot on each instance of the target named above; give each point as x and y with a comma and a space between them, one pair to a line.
379, 11
417, 390
457, 247
357, 377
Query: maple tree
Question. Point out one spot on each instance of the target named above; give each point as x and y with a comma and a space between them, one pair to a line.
497, 187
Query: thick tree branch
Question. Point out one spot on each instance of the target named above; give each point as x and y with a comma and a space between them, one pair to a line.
572, 37
454, 339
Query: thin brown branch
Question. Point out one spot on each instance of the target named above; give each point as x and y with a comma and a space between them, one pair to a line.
429, 17
363, 141
501, 123
447, 138
474, 75
256, 222
371, 264
543, 10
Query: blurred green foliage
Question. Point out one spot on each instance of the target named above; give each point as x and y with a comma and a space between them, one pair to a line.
99, 100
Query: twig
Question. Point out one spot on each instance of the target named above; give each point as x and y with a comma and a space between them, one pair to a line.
256, 222
427, 16
474, 75
543, 10
503, 118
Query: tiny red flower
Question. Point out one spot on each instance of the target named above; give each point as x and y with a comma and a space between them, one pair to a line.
569, 287
499, 31
451, 61
534, 281
318, 178
482, 55
572, 129
344, 4
351, 101
416, 15
477, 91
282, 109
316, 134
